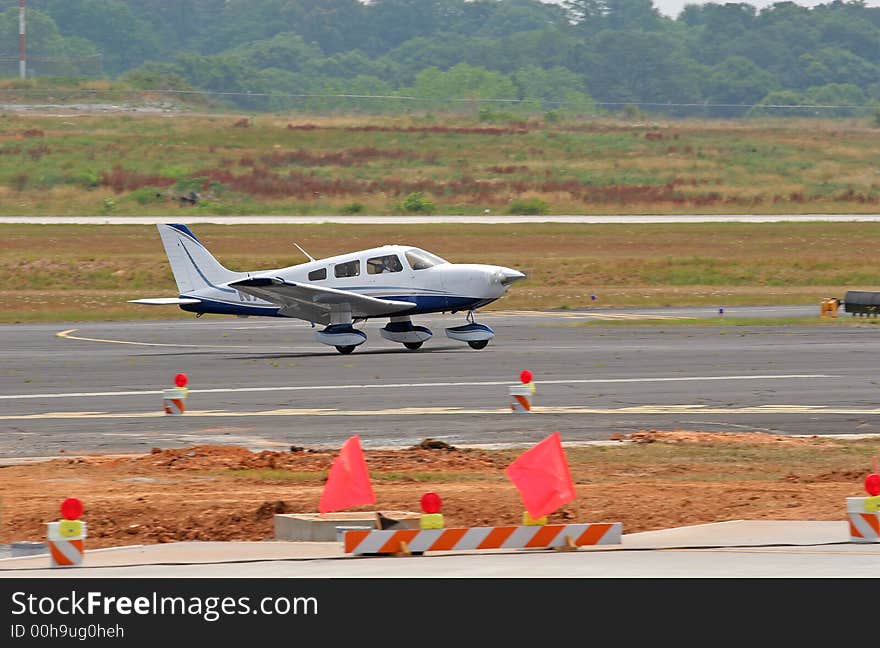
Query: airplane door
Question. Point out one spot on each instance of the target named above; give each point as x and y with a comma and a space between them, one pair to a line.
386, 269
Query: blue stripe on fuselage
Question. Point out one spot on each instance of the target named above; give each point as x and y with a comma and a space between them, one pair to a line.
434, 304
424, 304
225, 308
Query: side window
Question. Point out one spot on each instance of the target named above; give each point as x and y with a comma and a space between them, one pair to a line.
388, 263
347, 269
317, 275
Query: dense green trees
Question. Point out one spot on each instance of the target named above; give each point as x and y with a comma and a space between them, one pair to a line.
580, 55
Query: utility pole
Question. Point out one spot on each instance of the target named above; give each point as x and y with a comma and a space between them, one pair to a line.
22, 65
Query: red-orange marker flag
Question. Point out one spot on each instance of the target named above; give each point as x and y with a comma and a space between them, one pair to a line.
348, 483
542, 477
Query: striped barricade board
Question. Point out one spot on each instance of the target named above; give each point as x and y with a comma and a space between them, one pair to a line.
864, 518
547, 536
174, 400
66, 539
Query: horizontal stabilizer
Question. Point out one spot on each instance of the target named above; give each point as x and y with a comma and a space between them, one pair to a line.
165, 301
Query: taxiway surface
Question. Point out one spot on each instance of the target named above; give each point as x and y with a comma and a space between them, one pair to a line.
263, 383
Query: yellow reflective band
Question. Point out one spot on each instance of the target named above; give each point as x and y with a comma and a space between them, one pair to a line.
70, 528
528, 520
872, 504
431, 521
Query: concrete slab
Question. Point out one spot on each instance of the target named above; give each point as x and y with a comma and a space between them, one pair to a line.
324, 527
742, 533
189, 553
740, 548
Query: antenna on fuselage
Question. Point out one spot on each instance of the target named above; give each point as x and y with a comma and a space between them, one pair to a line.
311, 258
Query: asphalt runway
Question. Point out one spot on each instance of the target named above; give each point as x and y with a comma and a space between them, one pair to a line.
86, 387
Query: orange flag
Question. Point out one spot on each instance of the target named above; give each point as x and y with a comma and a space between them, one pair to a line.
541, 475
348, 483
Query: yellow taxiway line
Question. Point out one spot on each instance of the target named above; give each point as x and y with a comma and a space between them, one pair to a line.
410, 411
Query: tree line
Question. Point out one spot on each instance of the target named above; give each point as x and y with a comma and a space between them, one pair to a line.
580, 55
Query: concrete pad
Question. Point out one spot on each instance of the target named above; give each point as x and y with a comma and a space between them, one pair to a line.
742, 533
783, 548
322, 527
190, 553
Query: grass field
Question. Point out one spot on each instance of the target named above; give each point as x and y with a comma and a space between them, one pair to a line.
82, 164
86, 164
71, 272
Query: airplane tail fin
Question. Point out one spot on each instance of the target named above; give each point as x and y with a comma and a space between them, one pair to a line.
193, 266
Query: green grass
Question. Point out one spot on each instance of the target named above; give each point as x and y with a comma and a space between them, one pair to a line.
713, 462
87, 272
429, 477
718, 321
718, 461
58, 165
819, 459
267, 474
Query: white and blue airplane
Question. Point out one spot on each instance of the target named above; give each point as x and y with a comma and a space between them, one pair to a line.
393, 281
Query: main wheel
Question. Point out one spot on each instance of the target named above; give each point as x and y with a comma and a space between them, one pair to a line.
412, 346
478, 344
345, 349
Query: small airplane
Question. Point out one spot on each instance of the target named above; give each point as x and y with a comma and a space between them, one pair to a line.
393, 281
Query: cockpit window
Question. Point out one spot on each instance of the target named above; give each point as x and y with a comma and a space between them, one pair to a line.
347, 269
387, 263
421, 260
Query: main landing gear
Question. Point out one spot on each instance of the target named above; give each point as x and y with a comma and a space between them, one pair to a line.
476, 335
345, 338
402, 330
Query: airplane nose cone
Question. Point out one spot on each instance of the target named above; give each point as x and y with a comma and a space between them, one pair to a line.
509, 275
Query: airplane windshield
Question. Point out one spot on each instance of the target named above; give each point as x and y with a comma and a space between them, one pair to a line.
421, 260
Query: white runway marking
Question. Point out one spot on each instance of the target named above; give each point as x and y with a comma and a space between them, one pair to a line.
410, 411
230, 390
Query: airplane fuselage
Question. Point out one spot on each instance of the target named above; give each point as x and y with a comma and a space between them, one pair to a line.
442, 287
393, 281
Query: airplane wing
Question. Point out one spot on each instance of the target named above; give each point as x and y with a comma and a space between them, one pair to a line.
165, 301
315, 303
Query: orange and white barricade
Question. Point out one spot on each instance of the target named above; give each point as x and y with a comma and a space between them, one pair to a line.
864, 518
520, 398
66, 542
463, 539
175, 399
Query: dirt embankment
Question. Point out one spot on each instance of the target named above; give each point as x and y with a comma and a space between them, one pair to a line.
230, 493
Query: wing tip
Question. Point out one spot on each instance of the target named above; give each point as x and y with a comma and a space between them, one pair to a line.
165, 301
